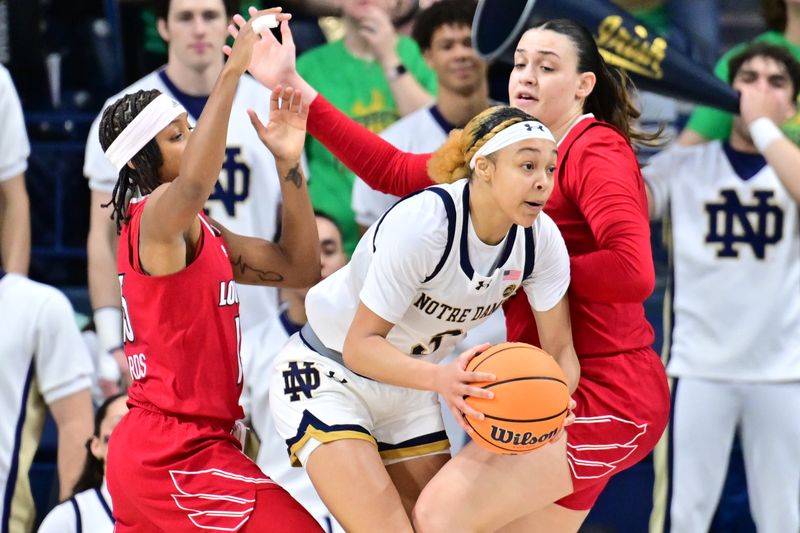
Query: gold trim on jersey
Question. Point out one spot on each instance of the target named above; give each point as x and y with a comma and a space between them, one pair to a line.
326, 436
22, 511
416, 451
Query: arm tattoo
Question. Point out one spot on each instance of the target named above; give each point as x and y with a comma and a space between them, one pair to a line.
263, 275
294, 176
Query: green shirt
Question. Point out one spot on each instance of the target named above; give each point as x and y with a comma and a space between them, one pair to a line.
716, 124
359, 89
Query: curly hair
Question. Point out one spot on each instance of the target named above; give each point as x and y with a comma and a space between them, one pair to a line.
451, 161
144, 177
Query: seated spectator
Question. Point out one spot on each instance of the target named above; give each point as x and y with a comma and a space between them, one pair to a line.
89, 508
45, 364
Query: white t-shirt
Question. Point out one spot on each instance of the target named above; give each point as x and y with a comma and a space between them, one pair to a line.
392, 273
736, 250
258, 354
420, 132
44, 359
88, 511
247, 194
14, 146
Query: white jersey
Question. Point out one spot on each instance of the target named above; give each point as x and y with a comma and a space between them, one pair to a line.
13, 138
420, 132
88, 511
44, 359
258, 356
247, 194
735, 251
423, 268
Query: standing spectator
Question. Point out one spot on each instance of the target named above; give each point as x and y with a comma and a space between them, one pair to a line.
45, 365
247, 194
735, 342
443, 33
374, 76
257, 360
90, 506
783, 20
15, 221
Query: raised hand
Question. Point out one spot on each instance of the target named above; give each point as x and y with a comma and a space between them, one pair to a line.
285, 132
241, 53
272, 62
377, 29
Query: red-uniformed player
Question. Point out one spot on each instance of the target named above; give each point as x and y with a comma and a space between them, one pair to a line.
174, 462
599, 204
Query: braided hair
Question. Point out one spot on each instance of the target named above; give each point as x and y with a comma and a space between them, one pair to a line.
451, 161
144, 177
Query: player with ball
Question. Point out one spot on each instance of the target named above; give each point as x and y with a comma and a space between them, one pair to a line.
354, 393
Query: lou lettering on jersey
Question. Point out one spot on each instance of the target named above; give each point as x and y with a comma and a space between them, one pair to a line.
227, 293
450, 313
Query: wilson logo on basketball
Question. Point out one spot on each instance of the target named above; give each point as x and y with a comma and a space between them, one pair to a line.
505, 436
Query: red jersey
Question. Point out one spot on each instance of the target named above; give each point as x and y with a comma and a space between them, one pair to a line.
181, 331
598, 202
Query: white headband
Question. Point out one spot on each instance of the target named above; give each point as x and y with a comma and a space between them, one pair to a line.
530, 129
143, 128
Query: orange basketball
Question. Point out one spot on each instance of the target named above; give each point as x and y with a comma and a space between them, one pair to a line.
530, 398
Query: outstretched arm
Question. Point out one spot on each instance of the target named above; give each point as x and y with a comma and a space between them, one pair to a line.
294, 260
382, 166
170, 214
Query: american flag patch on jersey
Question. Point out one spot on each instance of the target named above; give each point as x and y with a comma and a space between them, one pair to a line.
511, 275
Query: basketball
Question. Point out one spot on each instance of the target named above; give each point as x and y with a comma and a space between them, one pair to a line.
530, 398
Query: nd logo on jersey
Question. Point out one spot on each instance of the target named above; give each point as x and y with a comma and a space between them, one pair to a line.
297, 380
233, 184
731, 222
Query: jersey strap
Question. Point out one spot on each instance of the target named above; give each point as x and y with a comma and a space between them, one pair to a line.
78, 521
530, 253
449, 207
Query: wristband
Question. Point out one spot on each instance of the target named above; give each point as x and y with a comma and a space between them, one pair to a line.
108, 325
763, 131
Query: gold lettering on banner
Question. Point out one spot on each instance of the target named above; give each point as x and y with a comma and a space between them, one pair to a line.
634, 53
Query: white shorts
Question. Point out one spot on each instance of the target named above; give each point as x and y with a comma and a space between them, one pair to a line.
315, 400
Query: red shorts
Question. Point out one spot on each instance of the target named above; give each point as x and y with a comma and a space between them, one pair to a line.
618, 420
166, 474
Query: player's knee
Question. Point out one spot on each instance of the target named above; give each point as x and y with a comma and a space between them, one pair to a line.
428, 516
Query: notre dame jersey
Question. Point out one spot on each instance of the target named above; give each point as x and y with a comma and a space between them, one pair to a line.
736, 262
423, 268
247, 193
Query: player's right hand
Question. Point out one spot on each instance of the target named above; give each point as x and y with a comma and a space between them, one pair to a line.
454, 383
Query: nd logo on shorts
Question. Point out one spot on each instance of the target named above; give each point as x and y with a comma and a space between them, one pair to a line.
298, 380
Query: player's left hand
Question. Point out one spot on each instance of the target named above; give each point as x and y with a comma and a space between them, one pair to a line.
285, 133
